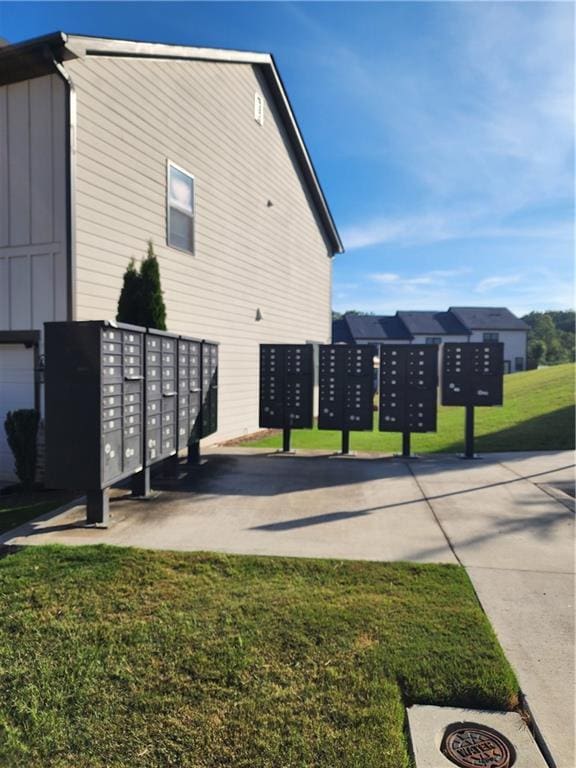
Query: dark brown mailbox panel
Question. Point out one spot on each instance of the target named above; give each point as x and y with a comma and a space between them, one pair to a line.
346, 387
286, 386
209, 375
161, 396
473, 373
408, 387
94, 403
189, 391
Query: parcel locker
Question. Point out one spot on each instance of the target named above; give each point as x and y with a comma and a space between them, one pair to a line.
473, 373
286, 386
408, 388
94, 403
346, 387
209, 387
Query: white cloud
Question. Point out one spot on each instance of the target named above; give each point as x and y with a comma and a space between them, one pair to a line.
485, 130
490, 283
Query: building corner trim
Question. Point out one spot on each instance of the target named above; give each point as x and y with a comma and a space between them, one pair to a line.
70, 152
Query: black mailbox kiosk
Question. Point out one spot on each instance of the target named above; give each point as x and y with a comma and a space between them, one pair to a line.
94, 407
346, 389
408, 390
472, 374
286, 388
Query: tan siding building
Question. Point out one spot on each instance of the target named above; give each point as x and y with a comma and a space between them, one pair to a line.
119, 112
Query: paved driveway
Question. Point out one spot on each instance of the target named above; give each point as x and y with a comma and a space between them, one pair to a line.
502, 517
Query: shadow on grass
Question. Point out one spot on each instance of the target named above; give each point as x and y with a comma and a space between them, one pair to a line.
552, 431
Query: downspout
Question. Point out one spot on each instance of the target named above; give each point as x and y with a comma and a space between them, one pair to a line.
70, 189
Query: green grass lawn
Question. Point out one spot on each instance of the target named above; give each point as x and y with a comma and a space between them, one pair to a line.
121, 657
19, 507
537, 415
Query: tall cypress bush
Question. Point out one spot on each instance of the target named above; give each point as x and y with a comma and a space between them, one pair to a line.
141, 301
130, 301
153, 308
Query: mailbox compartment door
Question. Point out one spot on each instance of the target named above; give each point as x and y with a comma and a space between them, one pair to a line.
421, 411
392, 411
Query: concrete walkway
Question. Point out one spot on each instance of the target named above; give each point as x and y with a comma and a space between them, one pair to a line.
502, 517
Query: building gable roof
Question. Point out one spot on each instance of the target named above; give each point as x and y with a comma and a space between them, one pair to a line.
37, 57
377, 327
433, 323
488, 319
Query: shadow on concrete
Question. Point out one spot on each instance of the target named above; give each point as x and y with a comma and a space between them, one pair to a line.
552, 431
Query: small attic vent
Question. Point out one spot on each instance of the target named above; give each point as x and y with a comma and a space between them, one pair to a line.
259, 109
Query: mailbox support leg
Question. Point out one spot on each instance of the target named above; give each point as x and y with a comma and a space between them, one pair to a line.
469, 448
141, 483
285, 441
345, 442
98, 507
194, 453
406, 454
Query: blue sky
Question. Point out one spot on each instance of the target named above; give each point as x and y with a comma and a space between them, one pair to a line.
442, 133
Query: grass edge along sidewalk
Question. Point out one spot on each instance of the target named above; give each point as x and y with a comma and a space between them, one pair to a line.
123, 657
537, 415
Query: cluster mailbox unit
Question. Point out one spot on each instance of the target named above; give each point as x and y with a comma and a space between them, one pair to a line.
286, 388
408, 390
120, 398
346, 389
472, 374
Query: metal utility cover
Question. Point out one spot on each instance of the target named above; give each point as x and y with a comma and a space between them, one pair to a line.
286, 386
479, 738
346, 387
408, 387
473, 373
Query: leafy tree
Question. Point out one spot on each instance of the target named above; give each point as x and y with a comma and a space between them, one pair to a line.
536, 352
141, 301
551, 337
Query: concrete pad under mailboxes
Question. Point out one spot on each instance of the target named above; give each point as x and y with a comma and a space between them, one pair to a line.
428, 726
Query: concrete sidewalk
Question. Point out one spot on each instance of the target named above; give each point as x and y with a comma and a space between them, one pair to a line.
500, 517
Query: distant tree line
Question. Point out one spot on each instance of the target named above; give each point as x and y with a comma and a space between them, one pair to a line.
550, 338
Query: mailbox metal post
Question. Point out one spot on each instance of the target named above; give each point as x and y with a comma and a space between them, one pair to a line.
98, 507
193, 453
345, 442
469, 448
286, 435
140, 483
406, 454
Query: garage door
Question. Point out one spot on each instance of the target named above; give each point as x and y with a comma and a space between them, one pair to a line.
16, 391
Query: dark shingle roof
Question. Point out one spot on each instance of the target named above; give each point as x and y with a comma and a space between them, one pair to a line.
488, 319
433, 323
377, 327
340, 332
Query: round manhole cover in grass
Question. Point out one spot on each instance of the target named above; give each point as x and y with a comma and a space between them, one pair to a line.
469, 745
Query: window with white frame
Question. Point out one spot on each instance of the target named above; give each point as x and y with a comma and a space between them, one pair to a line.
490, 337
433, 340
180, 208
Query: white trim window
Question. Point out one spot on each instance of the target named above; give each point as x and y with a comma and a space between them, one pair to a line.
179, 208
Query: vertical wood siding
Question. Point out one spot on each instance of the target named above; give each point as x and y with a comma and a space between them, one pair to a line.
32, 203
134, 115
